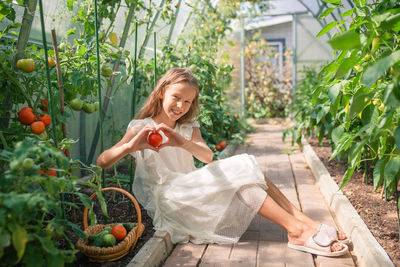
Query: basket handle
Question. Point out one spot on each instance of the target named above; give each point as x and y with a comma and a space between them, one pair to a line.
85, 211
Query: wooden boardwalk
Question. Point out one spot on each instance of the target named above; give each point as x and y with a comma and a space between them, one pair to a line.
265, 243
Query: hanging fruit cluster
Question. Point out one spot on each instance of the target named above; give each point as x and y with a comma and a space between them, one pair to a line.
37, 124
79, 104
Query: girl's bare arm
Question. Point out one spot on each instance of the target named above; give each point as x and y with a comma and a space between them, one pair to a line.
131, 142
196, 145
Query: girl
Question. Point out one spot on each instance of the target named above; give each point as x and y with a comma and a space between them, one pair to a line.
212, 204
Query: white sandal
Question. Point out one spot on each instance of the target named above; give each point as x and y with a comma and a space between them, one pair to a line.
320, 244
332, 232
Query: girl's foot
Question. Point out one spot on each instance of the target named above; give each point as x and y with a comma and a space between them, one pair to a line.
333, 233
316, 242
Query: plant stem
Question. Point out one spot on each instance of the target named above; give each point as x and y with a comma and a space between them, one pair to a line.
109, 88
23, 36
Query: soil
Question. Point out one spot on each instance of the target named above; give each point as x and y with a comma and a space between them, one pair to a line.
120, 209
379, 215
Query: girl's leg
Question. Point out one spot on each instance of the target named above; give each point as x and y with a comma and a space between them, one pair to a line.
282, 201
298, 231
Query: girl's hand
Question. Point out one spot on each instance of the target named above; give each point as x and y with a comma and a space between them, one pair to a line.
174, 139
139, 141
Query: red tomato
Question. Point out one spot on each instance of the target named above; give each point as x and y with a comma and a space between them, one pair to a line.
218, 147
51, 61
44, 104
45, 119
155, 139
52, 173
119, 232
222, 144
37, 127
26, 116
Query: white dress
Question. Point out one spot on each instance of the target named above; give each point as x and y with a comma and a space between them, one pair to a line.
200, 205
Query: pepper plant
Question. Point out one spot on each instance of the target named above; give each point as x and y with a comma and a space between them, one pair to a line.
356, 103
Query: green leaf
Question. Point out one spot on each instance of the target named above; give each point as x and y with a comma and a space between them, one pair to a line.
343, 144
386, 119
358, 103
356, 151
392, 22
71, 31
337, 133
378, 172
327, 28
347, 175
231, 43
77, 230
389, 97
47, 244
19, 238
369, 115
376, 70
347, 40
348, 13
315, 94
397, 138
391, 169
54, 260
5, 239
326, 13
334, 2
347, 64
333, 92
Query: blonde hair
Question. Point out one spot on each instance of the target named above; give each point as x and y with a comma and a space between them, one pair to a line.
153, 105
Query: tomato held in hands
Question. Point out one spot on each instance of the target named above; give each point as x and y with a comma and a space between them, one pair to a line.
155, 139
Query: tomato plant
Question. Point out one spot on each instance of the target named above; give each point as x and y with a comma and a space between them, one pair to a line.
268, 81
31, 207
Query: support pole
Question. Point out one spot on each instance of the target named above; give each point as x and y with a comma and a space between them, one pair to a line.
99, 87
242, 67
132, 166
155, 60
294, 32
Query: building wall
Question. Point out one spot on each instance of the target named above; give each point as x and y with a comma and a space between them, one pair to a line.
310, 50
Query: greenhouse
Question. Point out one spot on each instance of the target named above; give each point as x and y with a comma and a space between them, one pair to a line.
199, 133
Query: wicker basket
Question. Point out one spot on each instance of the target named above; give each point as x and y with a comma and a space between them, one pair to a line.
100, 254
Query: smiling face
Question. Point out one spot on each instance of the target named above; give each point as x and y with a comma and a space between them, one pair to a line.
176, 102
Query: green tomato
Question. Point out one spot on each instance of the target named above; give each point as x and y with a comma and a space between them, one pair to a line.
96, 105
28, 163
14, 165
88, 107
76, 104
109, 240
106, 70
43, 135
18, 144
